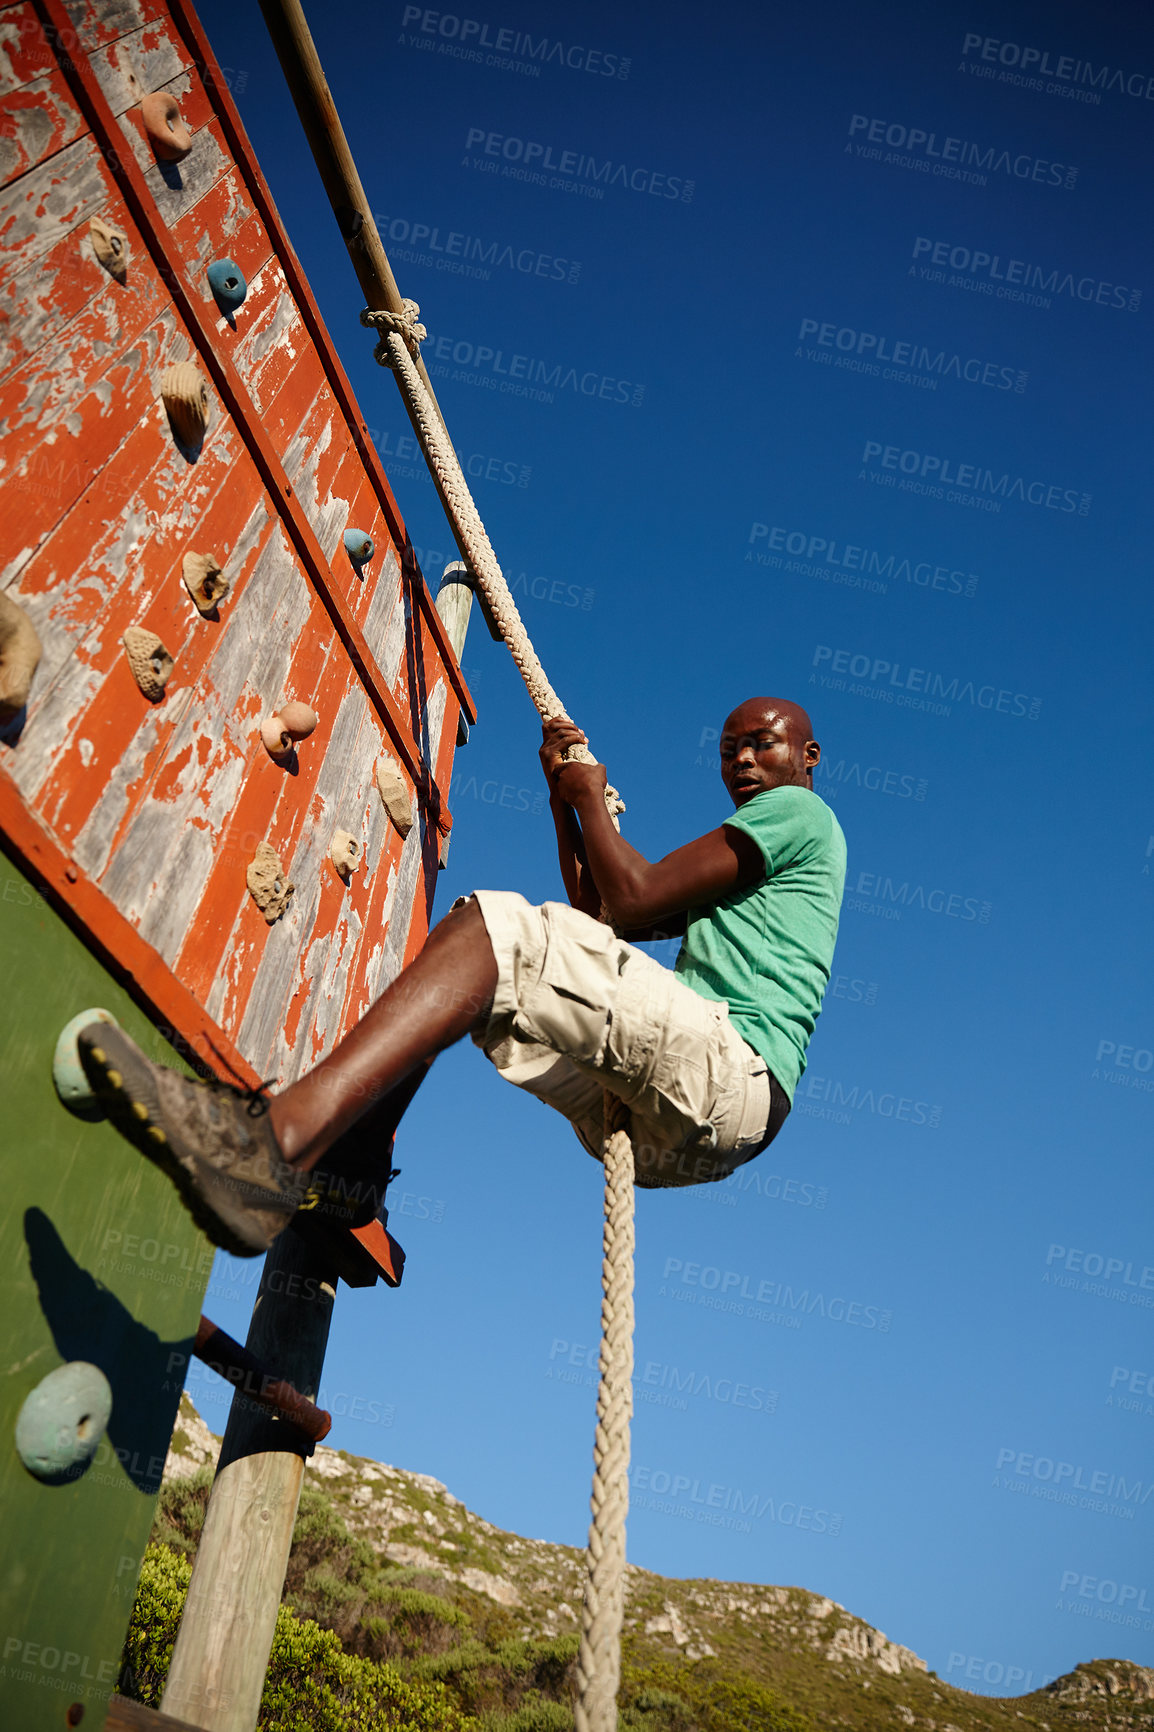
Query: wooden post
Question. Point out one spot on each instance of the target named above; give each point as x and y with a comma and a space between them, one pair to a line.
454, 604
318, 115
222, 1648
304, 75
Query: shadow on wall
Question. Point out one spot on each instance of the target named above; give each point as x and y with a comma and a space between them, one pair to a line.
88, 1322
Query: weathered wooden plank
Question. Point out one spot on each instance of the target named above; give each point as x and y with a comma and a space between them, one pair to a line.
99, 547
230, 992
376, 898
124, 1715
241, 957
303, 457
39, 301
292, 416
39, 120
271, 800
177, 186
223, 225
39, 208
196, 112
154, 880
396, 626
91, 705
315, 1017
274, 337
39, 402
24, 50
292, 958
95, 319
340, 475
85, 435
139, 61
414, 882
228, 937
98, 21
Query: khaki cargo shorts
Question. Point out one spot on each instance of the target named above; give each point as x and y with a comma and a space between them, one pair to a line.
577, 1011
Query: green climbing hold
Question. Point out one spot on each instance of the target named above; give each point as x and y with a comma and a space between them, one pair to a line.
59, 1427
72, 1086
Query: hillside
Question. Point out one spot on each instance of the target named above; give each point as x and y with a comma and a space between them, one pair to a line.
411, 1580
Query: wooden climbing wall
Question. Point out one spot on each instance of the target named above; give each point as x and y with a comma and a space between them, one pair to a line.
143, 816
128, 824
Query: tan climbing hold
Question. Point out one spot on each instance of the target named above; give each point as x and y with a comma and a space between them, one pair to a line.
111, 248
267, 884
277, 740
205, 581
394, 792
345, 854
299, 720
293, 721
184, 389
164, 124
19, 657
150, 662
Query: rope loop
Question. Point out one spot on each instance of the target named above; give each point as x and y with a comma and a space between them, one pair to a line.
405, 325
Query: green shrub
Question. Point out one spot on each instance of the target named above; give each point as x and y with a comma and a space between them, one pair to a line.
540, 1716
180, 1511
673, 1696
164, 1577
312, 1685
496, 1680
406, 1623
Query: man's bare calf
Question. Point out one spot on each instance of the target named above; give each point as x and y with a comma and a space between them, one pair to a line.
443, 993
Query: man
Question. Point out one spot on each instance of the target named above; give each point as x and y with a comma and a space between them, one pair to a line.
706, 1058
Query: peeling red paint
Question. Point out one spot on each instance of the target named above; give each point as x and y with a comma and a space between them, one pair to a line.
162, 805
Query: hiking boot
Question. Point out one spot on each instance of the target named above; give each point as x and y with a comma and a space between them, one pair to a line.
212, 1140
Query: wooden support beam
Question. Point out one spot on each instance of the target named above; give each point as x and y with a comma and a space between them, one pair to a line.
222, 1648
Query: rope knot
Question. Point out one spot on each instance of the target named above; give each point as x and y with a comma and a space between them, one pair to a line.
405, 325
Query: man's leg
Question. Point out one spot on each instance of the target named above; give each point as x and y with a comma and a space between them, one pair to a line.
240, 1162
431, 1005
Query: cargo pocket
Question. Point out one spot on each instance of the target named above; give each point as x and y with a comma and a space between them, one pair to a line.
568, 1007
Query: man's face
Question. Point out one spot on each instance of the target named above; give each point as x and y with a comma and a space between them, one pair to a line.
766, 743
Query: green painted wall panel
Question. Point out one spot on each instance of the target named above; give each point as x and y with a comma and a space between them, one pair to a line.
98, 1261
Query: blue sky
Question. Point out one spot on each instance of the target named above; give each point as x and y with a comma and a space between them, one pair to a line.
774, 407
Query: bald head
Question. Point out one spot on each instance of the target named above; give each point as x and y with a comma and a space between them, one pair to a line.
767, 743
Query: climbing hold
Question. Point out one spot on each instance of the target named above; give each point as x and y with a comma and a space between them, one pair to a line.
267, 884
345, 854
59, 1427
150, 662
298, 719
167, 133
358, 546
72, 1086
19, 657
294, 721
227, 283
278, 742
205, 581
394, 792
184, 389
111, 248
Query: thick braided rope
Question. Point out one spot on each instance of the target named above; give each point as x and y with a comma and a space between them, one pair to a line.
393, 351
599, 1657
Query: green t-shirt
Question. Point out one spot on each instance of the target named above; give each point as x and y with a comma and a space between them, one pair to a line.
767, 949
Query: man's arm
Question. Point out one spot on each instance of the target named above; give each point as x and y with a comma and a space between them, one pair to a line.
580, 886
641, 895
